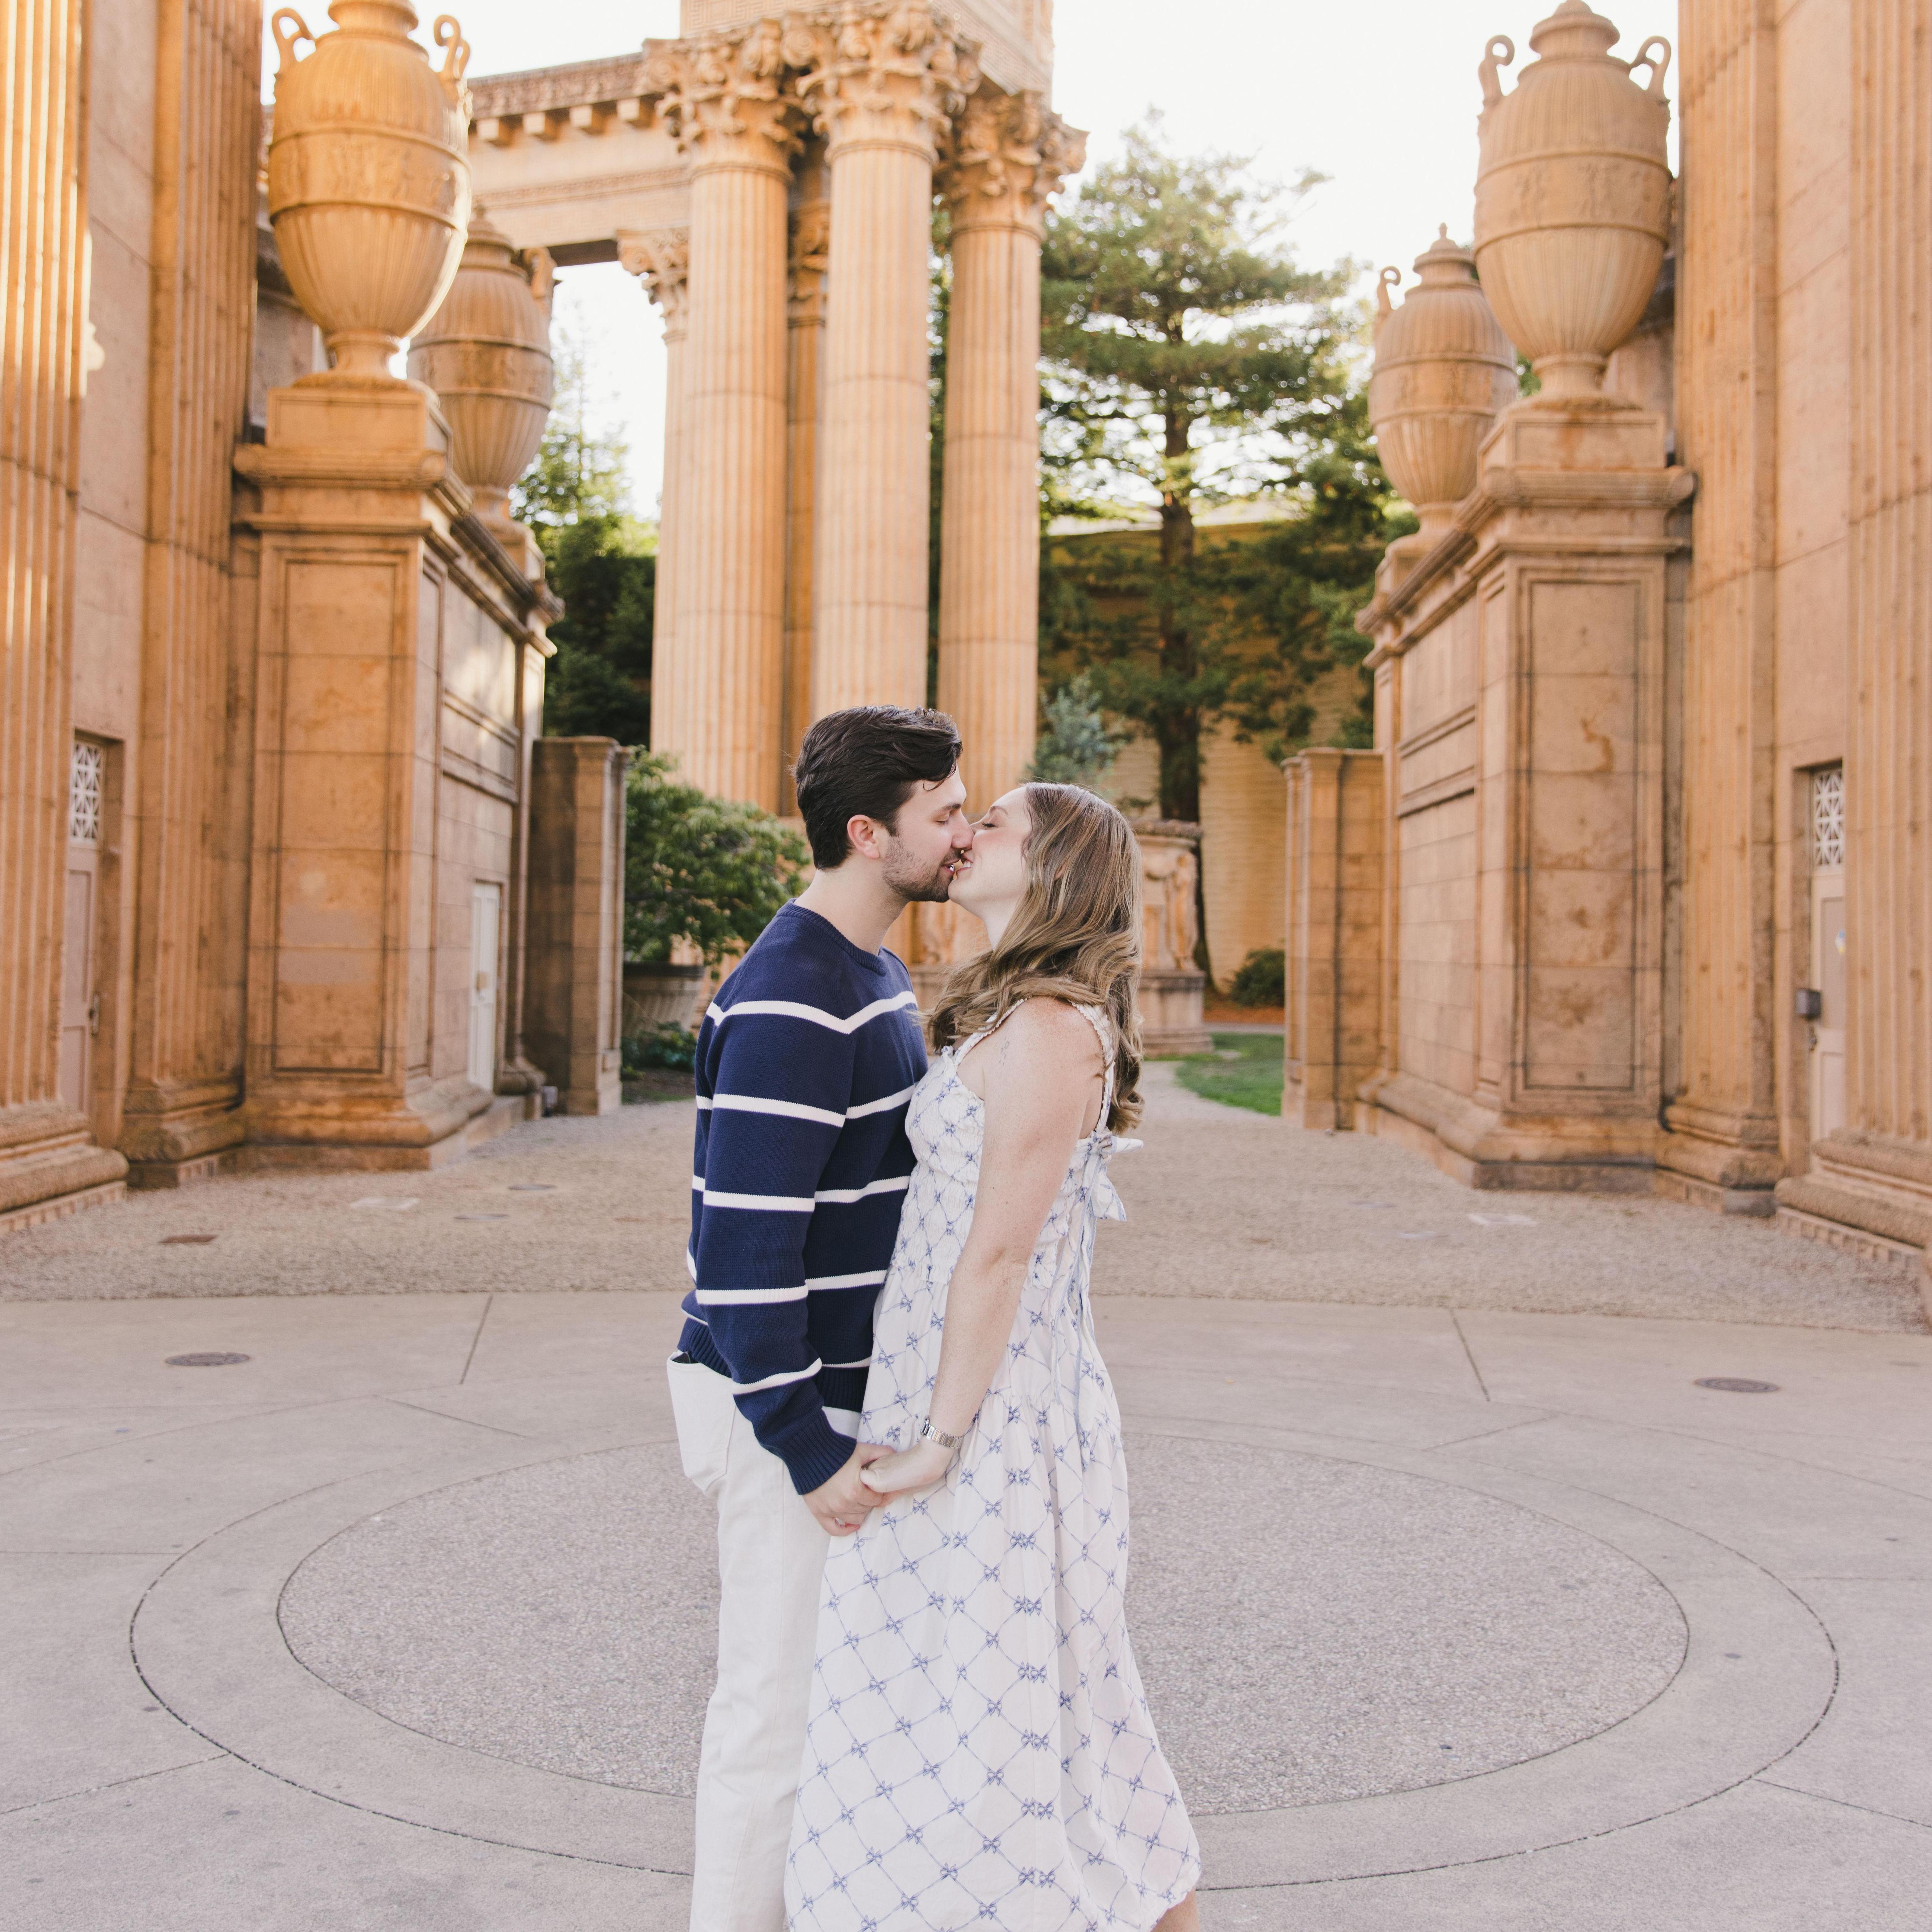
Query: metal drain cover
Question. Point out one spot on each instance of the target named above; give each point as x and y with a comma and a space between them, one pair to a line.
186, 1240
206, 1358
1737, 1385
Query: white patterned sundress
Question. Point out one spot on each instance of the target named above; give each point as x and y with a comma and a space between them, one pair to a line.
979, 1752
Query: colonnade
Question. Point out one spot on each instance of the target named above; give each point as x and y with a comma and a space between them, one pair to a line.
793, 547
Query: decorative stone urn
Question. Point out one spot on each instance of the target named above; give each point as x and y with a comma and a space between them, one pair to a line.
1172, 987
1445, 370
368, 177
486, 353
1572, 195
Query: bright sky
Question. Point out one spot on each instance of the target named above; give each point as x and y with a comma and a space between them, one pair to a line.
1382, 99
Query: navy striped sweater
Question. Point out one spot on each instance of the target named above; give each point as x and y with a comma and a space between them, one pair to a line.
806, 1062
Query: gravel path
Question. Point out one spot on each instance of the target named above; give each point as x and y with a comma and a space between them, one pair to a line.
1221, 1203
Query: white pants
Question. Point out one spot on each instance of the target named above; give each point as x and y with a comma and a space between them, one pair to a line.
771, 1560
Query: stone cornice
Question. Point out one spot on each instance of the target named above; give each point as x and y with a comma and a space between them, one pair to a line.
1504, 487
543, 89
1006, 158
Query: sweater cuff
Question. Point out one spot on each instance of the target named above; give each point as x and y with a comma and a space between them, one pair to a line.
813, 1451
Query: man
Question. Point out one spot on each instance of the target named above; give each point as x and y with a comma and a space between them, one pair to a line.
806, 1062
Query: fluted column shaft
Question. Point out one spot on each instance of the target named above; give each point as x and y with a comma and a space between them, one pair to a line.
1009, 161
882, 87
722, 713
662, 259
812, 225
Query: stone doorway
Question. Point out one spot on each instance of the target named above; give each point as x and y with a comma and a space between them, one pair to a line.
1828, 950
80, 993
486, 921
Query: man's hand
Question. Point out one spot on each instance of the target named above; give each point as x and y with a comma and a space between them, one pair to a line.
843, 1502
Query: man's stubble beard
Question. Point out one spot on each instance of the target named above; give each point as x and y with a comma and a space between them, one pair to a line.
929, 888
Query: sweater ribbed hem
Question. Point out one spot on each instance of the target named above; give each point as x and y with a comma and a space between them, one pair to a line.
812, 1450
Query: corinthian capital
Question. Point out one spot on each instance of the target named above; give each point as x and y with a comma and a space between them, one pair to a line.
1007, 159
723, 95
882, 72
661, 257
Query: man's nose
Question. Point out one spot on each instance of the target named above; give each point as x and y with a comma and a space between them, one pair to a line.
963, 833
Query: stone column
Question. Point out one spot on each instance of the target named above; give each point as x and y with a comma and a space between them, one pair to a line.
1009, 157
573, 1015
721, 97
190, 839
1876, 1171
1723, 1142
1334, 892
662, 259
810, 241
881, 85
48, 1163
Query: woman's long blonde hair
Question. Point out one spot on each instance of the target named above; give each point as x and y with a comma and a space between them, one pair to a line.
1076, 936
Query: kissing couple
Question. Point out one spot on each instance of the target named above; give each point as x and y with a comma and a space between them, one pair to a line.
927, 1714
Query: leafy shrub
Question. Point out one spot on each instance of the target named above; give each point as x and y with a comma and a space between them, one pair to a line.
667, 1045
1262, 980
709, 872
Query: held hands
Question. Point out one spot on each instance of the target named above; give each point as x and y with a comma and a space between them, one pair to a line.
915, 1468
843, 1502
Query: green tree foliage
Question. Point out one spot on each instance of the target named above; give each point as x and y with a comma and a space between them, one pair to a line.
1075, 746
707, 870
600, 559
1190, 361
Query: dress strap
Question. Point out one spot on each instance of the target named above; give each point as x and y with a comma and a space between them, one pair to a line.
1097, 1019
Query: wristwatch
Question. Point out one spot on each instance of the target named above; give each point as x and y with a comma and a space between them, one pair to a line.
927, 1433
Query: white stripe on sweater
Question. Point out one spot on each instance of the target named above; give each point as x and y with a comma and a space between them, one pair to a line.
764, 1204
871, 1280
776, 1381
846, 1194
793, 1110
732, 1297
818, 1015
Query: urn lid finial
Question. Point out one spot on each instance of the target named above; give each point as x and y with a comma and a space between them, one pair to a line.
1574, 31
1444, 263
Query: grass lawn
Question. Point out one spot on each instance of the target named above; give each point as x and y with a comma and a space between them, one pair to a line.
1244, 1070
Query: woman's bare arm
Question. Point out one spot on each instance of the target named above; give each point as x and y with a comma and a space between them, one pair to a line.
1038, 1076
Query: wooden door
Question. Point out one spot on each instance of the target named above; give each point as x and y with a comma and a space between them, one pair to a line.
1827, 951
486, 909
80, 997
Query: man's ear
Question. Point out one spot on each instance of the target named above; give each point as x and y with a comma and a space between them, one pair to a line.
867, 836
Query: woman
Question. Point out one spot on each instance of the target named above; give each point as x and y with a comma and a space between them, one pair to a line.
980, 1752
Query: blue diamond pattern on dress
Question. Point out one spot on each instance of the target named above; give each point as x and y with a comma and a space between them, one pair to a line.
979, 1752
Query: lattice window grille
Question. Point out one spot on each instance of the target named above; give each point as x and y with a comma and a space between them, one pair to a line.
1828, 818
85, 792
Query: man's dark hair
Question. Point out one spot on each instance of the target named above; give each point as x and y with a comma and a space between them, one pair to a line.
867, 760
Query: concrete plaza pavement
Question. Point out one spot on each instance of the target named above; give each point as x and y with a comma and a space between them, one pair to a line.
1456, 1608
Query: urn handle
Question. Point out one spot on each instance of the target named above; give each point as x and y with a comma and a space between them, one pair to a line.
288, 27
1659, 65
447, 34
1500, 52
542, 265
1384, 308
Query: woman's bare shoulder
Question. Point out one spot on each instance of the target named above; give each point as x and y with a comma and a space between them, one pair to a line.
1049, 1028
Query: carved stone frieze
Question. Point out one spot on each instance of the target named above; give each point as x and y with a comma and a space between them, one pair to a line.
661, 258
888, 74
724, 96
1006, 158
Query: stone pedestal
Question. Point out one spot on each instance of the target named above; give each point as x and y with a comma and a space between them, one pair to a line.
574, 1016
394, 640
1336, 839
1520, 665
1172, 988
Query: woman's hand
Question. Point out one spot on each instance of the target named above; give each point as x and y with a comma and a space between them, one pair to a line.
915, 1468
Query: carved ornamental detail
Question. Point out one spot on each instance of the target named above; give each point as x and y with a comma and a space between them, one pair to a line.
1007, 159
661, 258
886, 73
808, 257
724, 96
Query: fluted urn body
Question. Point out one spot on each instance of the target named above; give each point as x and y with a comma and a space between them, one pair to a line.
369, 176
486, 353
1444, 371
1572, 195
